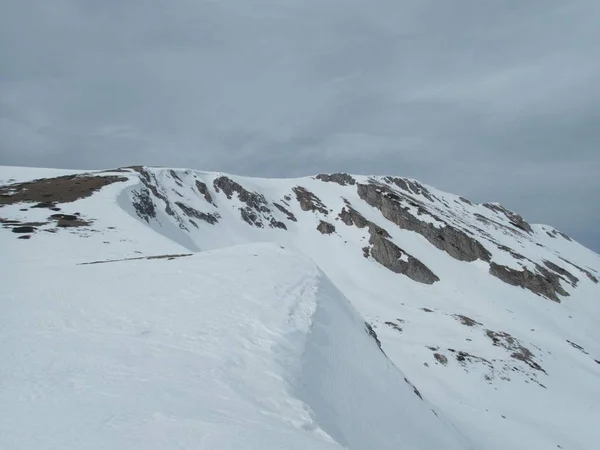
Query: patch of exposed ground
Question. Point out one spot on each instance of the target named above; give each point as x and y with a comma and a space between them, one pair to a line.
48, 191
516, 347
168, 257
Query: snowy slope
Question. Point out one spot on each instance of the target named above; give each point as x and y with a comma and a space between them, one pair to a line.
494, 320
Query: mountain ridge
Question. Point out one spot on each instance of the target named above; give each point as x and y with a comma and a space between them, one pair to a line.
491, 317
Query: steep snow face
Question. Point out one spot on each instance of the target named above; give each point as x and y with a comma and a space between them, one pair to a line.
248, 347
493, 319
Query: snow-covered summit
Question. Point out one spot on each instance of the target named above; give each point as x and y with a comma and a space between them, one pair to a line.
493, 320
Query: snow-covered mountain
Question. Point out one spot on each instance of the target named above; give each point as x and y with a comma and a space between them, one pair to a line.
153, 308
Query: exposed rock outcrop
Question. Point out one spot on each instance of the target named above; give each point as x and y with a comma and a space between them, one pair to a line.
389, 255
325, 227
453, 241
411, 186
309, 201
572, 279
203, 190
192, 212
257, 208
143, 204
284, 210
581, 269
350, 217
543, 282
343, 179
514, 219
385, 252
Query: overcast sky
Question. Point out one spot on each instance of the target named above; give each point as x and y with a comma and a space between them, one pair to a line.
497, 100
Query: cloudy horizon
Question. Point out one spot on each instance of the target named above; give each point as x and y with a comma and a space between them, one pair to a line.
496, 101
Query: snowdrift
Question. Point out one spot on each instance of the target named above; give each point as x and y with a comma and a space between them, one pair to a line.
242, 348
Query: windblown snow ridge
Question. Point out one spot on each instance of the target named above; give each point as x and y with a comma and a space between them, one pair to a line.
355, 393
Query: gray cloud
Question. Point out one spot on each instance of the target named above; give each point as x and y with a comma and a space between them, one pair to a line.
493, 100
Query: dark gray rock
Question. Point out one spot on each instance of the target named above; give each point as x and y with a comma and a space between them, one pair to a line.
143, 204
411, 186
453, 241
24, 229
254, 200
284, 210
343, 179
192, 212
325, 227
572, 279
350, 217
514, 219
385, 252
543, 282
251, 217
176, 178
389, 255
371, 332
581, 269
309, 201
273, 223
203, 190
257, 207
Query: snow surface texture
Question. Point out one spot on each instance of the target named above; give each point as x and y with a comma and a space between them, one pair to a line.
258, 345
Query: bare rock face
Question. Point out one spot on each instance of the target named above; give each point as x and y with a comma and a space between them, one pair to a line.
581, 269
257, 208
543, 282
325, 227
389, 255
555, 233
515, 219
309, 201
203, 190
385, 252
290, 215
343, 179
453, 241
191, 212
254, 200
572, 279
411, 186
350, 217
143, 204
